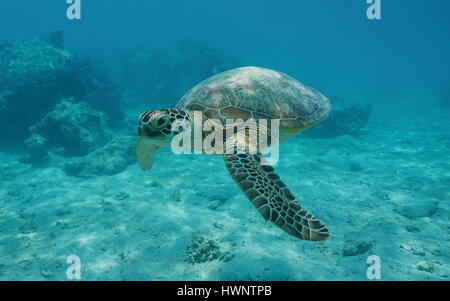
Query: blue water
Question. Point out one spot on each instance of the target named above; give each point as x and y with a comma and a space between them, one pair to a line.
377, 172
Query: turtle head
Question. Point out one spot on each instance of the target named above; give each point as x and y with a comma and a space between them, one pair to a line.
156, 129
162, 125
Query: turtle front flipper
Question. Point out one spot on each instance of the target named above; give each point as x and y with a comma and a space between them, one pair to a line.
145, 152
273, 199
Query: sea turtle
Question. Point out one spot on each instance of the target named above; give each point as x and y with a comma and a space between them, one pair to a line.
247, 93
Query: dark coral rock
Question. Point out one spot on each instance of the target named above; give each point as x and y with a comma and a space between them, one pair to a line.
37, 148
343, 120
425, 266
354, 247
75, 126
110, 159
161, 76
36, 74
203, 249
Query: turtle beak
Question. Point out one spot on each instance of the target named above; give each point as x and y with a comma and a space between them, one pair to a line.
145, 150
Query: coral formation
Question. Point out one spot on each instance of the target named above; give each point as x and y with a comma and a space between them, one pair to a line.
353, 247
110, 159
163, 76
343, 120
84, 135
37, 148
75, 126
36, 74
203, 249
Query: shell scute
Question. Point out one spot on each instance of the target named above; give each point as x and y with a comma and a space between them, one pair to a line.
261, 93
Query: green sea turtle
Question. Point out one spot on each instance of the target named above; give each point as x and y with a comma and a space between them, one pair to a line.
248, 93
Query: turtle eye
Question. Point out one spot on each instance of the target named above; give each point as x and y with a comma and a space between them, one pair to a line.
160, 121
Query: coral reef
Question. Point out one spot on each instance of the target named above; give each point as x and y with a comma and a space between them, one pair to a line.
75, 126
343, 120
36, 74
161, 77
77, 138
110, 159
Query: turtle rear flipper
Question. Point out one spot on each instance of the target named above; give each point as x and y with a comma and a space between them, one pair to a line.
273, 199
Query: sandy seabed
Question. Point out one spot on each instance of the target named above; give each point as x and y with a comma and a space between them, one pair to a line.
385, 193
